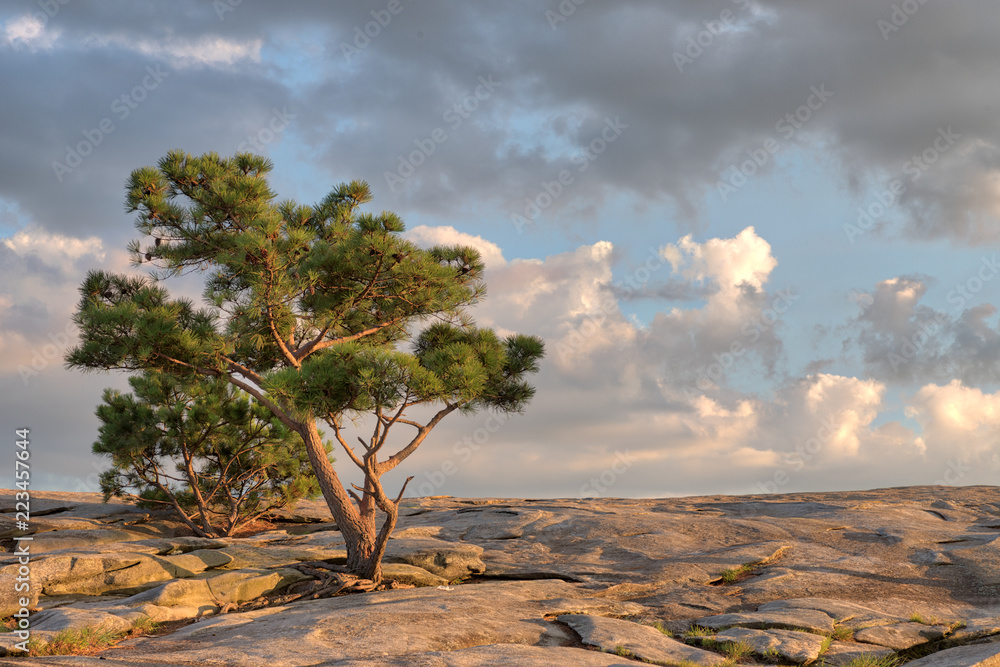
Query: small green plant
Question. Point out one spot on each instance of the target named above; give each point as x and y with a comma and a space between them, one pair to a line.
662, 628
143, 626
917, 618
737, 650
825, 646
623, 652
843, 633
734, 574
76, 642
89, 640
872, 660
697, 631
771, 654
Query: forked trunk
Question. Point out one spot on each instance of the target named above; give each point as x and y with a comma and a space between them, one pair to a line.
363, 560
365, 547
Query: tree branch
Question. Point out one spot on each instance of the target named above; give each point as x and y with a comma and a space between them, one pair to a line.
281, 343
402, 490
285, 418
332, 420
317, 344
242, 370
401, 455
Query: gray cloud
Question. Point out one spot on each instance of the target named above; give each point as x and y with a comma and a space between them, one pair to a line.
904, 341
360, 112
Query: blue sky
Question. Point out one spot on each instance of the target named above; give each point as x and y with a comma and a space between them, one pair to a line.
654, 186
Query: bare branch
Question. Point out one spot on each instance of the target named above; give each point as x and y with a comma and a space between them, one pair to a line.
242, 370
332, 420
402, 490
401, 455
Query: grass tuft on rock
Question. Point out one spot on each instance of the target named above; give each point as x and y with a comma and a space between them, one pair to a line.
872, 660
736, 651
90, 640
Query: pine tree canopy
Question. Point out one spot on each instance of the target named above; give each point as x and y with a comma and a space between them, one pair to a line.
317, 312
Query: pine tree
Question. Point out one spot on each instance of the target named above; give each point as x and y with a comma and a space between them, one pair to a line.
201, 448
308, 310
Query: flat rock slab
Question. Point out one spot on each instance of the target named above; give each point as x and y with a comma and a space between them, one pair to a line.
410, 574
807, 619
976, 628
494, 655
497, 655
54, 620
450, 560
976, 655
642, 641
840, 654
838, 610
798, 647
900, 636
248, 555
208, 594
77, 538
380, 625
79, 661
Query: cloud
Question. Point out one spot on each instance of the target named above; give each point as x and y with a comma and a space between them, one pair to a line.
959, 424
179, 52
54, 249
902, 340
426, 236
47, 268
688, 128
738, 266
28, 31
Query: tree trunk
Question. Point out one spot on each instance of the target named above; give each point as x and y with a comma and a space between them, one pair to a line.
357, 528
365, 561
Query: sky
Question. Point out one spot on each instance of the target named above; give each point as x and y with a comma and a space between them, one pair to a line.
759, 237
